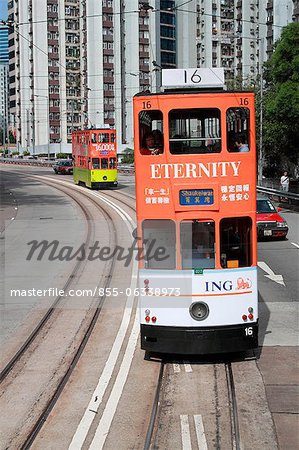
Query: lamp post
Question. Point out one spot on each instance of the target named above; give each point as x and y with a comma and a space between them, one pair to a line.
47, 119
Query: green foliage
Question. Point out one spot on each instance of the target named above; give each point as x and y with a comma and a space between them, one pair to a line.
26, 153
61, 155
15, 152
128, 156
281, 100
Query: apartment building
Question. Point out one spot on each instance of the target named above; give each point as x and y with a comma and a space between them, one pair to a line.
4, 89
78, 63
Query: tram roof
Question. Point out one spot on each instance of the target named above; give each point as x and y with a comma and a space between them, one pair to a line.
192, 91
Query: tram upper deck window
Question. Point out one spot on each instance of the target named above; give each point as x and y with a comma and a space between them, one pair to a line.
197, 244
159, 244
103, 137
237, 128
194, 131
151, 132
235, 242
94, 138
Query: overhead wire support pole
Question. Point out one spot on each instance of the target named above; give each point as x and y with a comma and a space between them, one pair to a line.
261, 152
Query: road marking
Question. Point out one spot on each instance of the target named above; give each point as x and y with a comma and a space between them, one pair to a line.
270, 274
185, 432
111, 406
176, 368
296, 245
97, 396
188, 368
200, 432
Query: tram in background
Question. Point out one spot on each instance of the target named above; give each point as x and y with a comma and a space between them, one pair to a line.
196, 215
95, 158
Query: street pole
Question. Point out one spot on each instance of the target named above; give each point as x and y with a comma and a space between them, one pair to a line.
261, 152
48, 126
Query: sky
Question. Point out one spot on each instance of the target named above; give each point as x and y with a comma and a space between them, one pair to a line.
3, 9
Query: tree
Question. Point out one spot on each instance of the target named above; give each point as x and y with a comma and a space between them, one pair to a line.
281, 101
128, 156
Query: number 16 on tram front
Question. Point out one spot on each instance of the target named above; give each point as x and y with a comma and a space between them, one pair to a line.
195, 164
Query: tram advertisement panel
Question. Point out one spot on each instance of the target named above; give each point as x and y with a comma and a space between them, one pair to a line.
228, 295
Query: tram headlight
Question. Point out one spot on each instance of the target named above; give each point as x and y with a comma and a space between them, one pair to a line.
105, 178
199, 310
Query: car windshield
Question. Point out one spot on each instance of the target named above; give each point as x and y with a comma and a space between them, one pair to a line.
65, 163
265, 206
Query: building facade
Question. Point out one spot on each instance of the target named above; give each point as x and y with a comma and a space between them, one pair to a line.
4, 87
77, 63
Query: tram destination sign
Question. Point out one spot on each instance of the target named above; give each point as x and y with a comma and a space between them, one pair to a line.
193, 197
193, 78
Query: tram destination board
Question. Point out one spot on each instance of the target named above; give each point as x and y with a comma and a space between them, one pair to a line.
190, 197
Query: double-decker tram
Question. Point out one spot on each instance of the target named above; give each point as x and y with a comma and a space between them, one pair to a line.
195, 165
95, 157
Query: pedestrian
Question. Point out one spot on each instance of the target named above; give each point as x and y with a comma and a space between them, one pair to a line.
285, 181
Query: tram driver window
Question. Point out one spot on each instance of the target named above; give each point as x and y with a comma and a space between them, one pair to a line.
104, 163
237, 130
235, 242
151, 140
159, 244
95, 163
194, 131
197, 244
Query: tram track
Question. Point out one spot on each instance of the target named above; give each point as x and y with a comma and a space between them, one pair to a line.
154, 431
39, 422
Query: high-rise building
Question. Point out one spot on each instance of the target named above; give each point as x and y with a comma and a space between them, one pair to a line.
78, 63
4, 89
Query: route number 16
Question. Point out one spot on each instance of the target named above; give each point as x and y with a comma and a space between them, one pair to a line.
249, 331
195, 77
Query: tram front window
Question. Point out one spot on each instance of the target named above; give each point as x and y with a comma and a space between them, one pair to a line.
197, 244
159, 244
194, 131
104, 163
95, 163
235, 242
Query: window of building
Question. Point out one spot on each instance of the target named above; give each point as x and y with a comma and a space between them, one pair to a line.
236, 242
197, 244
194, 131
237, 128
159, 244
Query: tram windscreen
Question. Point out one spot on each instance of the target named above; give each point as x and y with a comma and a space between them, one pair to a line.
194, 131
159, 244
197, 244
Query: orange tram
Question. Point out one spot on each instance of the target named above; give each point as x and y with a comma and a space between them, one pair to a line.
195, 165
95, 158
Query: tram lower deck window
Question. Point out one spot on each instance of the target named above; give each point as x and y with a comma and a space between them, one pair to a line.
159, 244
236, 242
197, 244
194, 131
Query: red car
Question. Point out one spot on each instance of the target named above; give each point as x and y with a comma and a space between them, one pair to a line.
63, 166
269, 223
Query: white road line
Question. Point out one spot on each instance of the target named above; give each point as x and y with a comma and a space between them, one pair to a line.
185, 432
188, 368
176, 368
111, 406
296, 245
200, 432
97, 396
